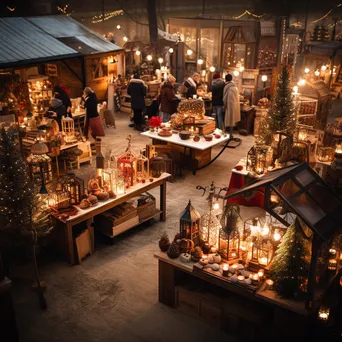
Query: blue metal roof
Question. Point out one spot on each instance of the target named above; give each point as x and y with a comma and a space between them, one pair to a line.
62, 26
31, 40
23, 42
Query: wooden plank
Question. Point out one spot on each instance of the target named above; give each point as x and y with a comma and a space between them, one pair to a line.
166, 285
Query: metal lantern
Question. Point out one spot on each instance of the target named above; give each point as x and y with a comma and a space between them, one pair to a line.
62, 199
229, 244
127, 163
74, 186
68, 130
108, 179
120, 187
157, 166
190, 223
262, 252
209, 229
251, 159
142, 168
326, 154
261, 159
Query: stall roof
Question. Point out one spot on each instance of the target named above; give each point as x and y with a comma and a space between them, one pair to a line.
306, 195
31, 40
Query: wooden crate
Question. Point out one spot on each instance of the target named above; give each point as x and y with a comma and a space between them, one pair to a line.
207, 128
86, 156
84, 245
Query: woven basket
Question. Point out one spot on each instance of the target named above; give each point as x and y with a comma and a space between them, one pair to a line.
146, 206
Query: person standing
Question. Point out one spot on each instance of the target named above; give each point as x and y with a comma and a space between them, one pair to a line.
168, 99
56, 111
137, 90
192, 84
62, 93
231, 104
217, 88
93, 120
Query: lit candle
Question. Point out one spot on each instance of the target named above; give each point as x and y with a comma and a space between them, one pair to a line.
276, 236
241, 278
269, 284
332, 265
338, 149
332, 251
302, 136
213, 249
255, 279
25, 120
265, 230
225, 270
261, 273
235, 267
263, 261
323, 314
274, 199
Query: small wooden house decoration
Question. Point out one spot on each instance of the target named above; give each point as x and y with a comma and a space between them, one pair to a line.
68, 130
127, 164
189, 123
142, 167
74, 186
62, 196
190, 223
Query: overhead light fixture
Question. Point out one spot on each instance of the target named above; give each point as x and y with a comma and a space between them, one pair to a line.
200, 61
118, 27
301, 82
125, 39
317, 73
212, 69
264, 78
236, 73
160, 60
306, 70
171, 50
295, 89
138, 53
324, 67
242, 68
149, 57
189, 52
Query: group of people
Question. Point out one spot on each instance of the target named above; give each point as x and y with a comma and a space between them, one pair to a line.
61, 107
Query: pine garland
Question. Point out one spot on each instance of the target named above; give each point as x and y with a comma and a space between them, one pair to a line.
281, 116
290, 266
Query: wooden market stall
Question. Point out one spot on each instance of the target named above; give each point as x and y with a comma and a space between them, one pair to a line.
59, 49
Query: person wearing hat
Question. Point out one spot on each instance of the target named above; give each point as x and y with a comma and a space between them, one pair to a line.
231, 104
217, 87
168, 99
62, 93
137, 90
192, 84
56, 111
93, 120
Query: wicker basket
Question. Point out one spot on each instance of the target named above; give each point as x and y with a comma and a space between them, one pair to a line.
146, 206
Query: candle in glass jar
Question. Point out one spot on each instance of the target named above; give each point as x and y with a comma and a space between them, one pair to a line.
269, 284
213, 249
241, 278
255, 279
225, 270
261, 273
235, 267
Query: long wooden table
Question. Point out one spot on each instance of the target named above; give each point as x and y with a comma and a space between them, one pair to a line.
87, 215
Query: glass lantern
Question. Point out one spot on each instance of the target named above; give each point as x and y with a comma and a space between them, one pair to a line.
189, 224
142, 168
209, 228
62, 199
157, 167
120, 187
68, 130
74, 186
251, 159
261, 160
127, 164
108, 179
40, 165
326, 154
229, 244
262, 252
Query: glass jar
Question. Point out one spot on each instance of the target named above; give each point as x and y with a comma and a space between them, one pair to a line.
157, 167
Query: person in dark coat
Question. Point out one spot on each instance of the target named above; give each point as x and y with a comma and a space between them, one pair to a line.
168, 99
217, 88
192, 84
93, 119
137, 90
56, 111
62, 93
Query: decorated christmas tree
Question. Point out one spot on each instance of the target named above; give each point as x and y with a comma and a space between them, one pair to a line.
290, 265
282, 115
320, 33
23, 214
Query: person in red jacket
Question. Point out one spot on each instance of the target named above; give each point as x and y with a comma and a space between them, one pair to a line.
168, 99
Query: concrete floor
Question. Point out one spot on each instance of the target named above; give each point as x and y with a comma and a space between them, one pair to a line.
113, 295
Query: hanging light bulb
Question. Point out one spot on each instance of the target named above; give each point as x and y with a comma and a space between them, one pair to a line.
276, 235
149, 57
160, 60
242, 68
138, 53
306, 70
317, 73
265, 230
295, 89
125, 39
212, 69
264, 78
118, 27
216, 205
236, 73
301, 82
171, 50
200, 61
323, 67
189, 52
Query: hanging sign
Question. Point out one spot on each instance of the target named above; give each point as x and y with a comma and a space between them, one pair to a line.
51, 69
267, 28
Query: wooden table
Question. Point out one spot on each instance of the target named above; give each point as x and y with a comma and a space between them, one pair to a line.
78, 117
87, 215
201, 145
263, 309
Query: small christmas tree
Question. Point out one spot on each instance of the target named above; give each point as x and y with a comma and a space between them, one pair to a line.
282, 115
23, 214
320, 33
290, 265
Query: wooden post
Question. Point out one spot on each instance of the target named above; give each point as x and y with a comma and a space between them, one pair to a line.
166, 275
316, 243
163, 201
